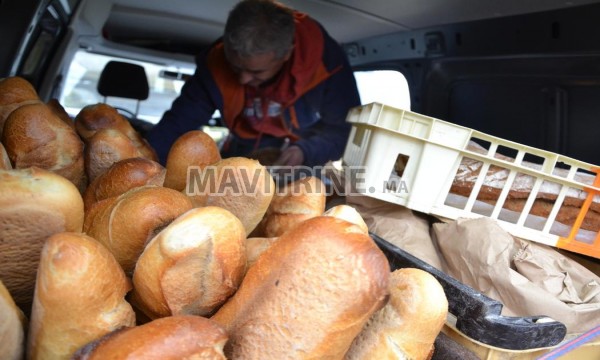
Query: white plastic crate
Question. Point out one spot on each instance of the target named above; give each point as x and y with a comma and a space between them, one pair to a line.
412, 160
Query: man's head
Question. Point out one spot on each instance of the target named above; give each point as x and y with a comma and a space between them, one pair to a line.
258, 39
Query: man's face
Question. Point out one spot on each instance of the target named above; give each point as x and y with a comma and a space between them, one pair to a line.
256, 69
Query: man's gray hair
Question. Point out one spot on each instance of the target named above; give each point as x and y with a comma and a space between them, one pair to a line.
256, 27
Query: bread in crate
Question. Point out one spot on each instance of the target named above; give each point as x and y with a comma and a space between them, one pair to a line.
431, 166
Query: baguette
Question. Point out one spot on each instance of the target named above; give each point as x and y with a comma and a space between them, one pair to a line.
241, 185
192, 266
35, 136
296, 202
99, 116
126, 223
194, 148
469, 170
407, 326
15, 92
122, 176
12, 322
170, 338
34, 204
308, 295
79, 296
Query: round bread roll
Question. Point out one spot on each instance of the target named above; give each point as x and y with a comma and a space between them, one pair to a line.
194, 148
308, 295
12, 322
34, 136
34, 204
240, 185
4, 160
126, 223
101, 116
170, 338
296, 202
79, 296
408, 325
122, 176
192, 266
348, 213
106, 147
15, 91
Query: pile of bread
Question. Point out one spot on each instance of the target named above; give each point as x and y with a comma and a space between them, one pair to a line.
105, 253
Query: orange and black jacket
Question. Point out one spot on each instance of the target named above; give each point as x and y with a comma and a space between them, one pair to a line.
314, 118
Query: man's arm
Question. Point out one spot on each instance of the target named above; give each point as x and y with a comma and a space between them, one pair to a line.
192, 109
328, 140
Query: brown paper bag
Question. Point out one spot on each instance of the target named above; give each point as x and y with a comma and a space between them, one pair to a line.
398, 225
528, 278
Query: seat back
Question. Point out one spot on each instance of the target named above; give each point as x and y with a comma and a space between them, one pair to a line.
124, 80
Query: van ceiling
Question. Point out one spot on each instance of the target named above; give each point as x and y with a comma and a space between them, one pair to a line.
185, 25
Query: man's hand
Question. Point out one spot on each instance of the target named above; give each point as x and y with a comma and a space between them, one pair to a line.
292, 156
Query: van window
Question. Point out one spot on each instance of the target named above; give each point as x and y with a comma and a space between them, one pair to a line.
388, 87
82, 79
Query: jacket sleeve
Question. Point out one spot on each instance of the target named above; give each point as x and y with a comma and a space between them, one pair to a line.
192, 109
338, 94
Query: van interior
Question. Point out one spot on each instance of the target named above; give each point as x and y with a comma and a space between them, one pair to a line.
526, 71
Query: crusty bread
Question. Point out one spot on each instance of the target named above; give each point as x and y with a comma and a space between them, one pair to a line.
238, 184
308, 295
125, 224
496, 177
194, 148
122, 176
169, 338
4, 160
15, 91
12, 322
255, 246
99, 116
292, 204
348, 213
34, 204
34, 136
60, 112
408, 325
192, 266
106, 147
79, 296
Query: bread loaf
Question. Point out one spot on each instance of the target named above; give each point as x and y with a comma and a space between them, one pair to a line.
79, 296
308, 295
15, 91
170, 338
348, 213
408, 324
4, 160
99, 116
125, 224
122, 176
292, 204
12, 322
255, 246
34, 136
194, 148
106, 147
34, 204
192, 266
241, 185
60, 112
495, 179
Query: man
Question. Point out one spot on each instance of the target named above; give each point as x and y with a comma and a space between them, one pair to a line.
279, 81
